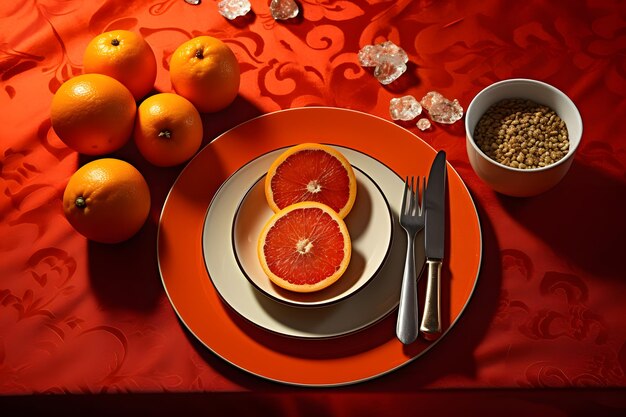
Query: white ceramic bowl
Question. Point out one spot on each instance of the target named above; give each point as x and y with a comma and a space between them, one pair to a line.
370, 223
514, 181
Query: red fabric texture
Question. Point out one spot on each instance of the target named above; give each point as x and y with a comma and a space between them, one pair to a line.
548, 311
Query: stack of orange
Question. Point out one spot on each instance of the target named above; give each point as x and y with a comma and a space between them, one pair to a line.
96, 114
305, 246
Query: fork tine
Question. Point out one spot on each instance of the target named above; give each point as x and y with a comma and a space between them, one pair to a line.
404, 201
416, 203
423, 194
412, 200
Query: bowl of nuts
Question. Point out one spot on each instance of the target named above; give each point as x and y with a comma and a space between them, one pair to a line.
521, 136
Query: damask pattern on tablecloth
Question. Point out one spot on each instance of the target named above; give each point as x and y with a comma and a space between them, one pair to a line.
583, 349
65, 327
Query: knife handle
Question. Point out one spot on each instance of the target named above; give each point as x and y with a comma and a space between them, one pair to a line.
431, 321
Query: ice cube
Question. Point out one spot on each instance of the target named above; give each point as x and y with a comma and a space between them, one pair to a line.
423, 124
389, 48
388, 59
368, 56
389, 69
404, 108
232, 9
283, 9
430, 98
446, 112
440, 109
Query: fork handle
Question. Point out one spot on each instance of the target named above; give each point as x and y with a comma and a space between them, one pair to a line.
407, 324
431, 322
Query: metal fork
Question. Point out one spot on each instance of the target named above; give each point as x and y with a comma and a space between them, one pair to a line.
412, 221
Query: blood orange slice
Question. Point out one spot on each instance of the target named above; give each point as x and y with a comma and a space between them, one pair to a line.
305, 247
311, 172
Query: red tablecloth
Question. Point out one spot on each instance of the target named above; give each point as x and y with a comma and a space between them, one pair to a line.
548, 312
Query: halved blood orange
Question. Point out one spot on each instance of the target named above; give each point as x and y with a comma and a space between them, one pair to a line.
311, 172
305, 247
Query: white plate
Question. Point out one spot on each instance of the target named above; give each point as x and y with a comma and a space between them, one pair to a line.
370, 224
366, 307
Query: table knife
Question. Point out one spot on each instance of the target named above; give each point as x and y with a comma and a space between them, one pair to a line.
434, 233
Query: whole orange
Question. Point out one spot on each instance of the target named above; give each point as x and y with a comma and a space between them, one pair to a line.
93, 114
107, 200
168, 129
206, 72
125, 56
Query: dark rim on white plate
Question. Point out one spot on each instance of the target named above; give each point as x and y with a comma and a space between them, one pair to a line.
329, 335
313, 304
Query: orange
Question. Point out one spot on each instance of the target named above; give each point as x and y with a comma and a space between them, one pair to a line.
168, 129
311, 172
125, 56
107, 200
206, 72
305, 247
93, 114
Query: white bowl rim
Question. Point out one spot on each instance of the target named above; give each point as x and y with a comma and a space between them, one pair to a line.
562, 95
341, 296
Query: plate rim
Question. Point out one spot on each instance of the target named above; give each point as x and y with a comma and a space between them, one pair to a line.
319, 384
390, 309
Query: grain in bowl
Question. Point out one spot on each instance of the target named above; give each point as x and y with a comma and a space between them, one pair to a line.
521, 133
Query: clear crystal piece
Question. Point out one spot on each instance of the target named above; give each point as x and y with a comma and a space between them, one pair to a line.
430, 98
389, 48
232, 9
389, 69
423, 124
404, 108
368, 56
193, 2
440, 109
388, 59
446, 112
284, 9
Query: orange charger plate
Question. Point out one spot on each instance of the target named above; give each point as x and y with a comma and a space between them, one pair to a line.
347, 359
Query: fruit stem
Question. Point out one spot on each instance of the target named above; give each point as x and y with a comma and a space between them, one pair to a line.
80, 202
199, 54
115, 42
165, 134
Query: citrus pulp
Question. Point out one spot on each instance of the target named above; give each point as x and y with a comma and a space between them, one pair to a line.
311, 172
305, 247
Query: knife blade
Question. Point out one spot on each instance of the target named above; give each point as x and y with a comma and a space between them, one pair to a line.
434, 235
